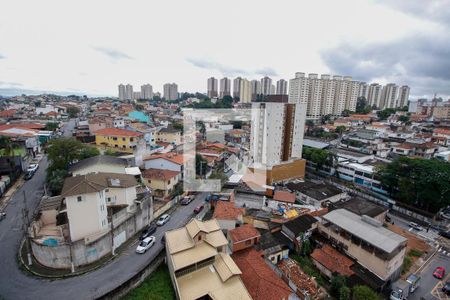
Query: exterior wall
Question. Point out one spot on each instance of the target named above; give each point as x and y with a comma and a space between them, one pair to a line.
385, 269
122, 196
163, 185
97, 168
275, 258
322, 269
242, 245
318, 203
169, 137
285, 171
59, 256
125, 143
88, 216
227, 224
162, 164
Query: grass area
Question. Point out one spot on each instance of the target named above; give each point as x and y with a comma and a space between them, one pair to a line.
308, 267
415, 253
157, 286
407, 263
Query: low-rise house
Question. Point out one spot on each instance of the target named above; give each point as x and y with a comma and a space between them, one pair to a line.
198, 263
228, 215
317, 194
330, 262
261, 280
162, 182
169, 135
243, 237
274, 245
117, 139
88, 197
165, 161
363, 238
99, 163
299, 230
362, 207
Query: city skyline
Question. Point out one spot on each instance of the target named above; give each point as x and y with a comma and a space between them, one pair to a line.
96, 60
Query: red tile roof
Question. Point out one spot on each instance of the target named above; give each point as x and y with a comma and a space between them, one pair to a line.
170, 156
334, 261
243, 233
260, 280
29, 126
7, 113
225, 210
441, 131
117, 132
319, 213
303, 281
159, 174
284, 196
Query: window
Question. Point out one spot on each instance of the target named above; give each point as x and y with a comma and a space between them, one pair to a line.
114, 139
248, 242
168, 181
108, 199
79, 199
123, 139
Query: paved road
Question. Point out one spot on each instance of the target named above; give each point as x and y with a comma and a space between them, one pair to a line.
431, 235
15, 284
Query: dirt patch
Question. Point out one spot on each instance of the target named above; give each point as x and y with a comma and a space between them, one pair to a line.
413, 241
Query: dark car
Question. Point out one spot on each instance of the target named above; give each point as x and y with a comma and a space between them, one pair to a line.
29, 175
388, 219
186, 200
163, 239
148, 231
446, 288
198, 209
445, 234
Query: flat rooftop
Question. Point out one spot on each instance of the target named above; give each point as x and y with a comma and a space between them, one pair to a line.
373, 233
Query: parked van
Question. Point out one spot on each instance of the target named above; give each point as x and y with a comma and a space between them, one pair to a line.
414, 281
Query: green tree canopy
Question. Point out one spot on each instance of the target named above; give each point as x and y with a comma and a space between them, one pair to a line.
363, 292
384, 114
337, 282
423, 183
73, 111
51, 126
201, 165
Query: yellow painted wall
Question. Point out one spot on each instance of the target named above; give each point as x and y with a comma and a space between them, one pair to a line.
125, 144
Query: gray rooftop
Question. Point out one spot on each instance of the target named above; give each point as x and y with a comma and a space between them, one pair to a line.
315, 144
374, 234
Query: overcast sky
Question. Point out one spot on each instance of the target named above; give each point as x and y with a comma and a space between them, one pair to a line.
92, 46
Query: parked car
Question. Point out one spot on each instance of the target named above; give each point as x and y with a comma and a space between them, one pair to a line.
163, 220
415, 226
186, 200
32, 168
147, 231
29, 175
198, 209
446, 288
445, 234
145, 244
388, 219
439, 272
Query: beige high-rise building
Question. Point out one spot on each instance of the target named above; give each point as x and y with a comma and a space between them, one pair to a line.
299, 89
266, 86
389, 96
403, 96
146, 91
225, 87
129, 92
281, 87
352, 95
340, 95
256, 89
212, 87
170, 91
236, 87
245, 95
363, 90
122, 93
374, 94
315, 97
329, 88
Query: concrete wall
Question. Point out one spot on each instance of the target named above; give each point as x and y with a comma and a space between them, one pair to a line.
106, 168
83, 253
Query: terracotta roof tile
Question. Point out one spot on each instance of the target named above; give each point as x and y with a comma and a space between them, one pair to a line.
159, 174
170, 156
225, 210
303, 281
334, 261
243, 233
284, 196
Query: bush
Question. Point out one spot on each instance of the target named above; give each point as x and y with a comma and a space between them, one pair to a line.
308, 267
407, 263
363, 292
337, 283
415, 253
344, 293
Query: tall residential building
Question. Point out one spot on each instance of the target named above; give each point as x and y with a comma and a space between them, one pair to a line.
276, 132
236, 87
314, 105
340, 96
129, 92
363, 90
403, 96
146, 91
122, 93
281, 87
212, 87
266, 85
170, 91
389, 96
329, 88
225, 87
299, 89
352, 95
256, 89
374, 94
245, 95
137, 95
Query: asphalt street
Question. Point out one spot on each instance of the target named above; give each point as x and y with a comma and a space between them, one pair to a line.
16, 284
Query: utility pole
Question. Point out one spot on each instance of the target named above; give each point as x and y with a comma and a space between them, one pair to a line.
25, 224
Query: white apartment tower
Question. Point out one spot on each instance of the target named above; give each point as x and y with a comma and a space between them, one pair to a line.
403, 96
170, 91
329, 88
363, 90
122, 93
129, 92
352, 95
281, 87
374, 94
212, 87
389, 96
146, 91
299, 89
245, 91
256, 89
225, 87
314, 105
236, 87
276, 132
266, 86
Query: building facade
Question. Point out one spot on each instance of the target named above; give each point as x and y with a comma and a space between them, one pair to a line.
212, 87
225, 87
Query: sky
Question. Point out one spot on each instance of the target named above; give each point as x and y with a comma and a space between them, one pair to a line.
89, 47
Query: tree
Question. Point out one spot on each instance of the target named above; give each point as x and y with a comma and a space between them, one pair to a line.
362, 106
62, 152
309, 124
219, 175
306, 248
344, 293
404, 119
51, 126
325, 119
55, 180
346, 113
201, 165
363, 292
340, 129
317, 156
337, 282
178, 126
7, 146
73, 111
384, 114
88, 151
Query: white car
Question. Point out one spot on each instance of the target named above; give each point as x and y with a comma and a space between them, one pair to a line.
415, 226
32, 167
145, 244
163, 220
